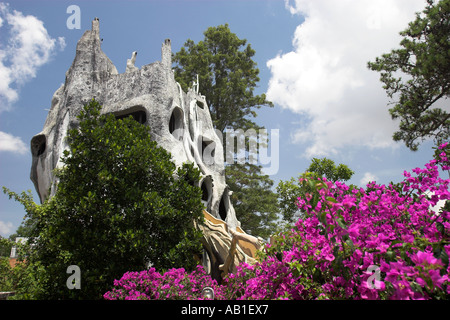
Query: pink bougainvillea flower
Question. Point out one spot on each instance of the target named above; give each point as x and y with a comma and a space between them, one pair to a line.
343, 231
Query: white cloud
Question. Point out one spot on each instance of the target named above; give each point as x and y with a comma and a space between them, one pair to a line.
325, 78
368, 177
6, 228
10, 143
61, 43
26, 46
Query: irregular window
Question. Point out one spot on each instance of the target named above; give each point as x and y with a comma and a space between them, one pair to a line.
176, 123
206, 191
200, 104
223, 206
38, 145
208, 151
138, 115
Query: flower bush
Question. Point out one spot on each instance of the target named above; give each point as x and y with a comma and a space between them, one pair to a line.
382, 242
173, 284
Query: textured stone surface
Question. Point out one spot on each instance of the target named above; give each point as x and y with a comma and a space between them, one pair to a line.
179, 121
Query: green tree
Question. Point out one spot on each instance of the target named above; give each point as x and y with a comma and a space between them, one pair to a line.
418, 76
120, 204
24, 230
327, 168
5, 247
228, 77
290, 190
256, 217
24, 279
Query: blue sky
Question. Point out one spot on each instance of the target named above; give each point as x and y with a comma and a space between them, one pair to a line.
312, 57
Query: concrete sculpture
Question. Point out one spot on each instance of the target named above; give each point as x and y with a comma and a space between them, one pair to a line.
179, 121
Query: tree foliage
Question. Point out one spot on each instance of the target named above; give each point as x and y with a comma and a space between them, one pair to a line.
257, 217
326, 168
290, 190
418, 75
22, 278
120, 204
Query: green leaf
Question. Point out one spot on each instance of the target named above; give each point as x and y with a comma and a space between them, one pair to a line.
440, 227
350, 243
341, 223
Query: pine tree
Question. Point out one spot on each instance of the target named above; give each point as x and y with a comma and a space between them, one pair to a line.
417, 75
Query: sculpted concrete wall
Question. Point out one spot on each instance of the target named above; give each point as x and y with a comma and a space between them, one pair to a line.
179, 121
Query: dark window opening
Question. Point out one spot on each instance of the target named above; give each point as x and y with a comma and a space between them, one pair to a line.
222, 209
38, 145
172, 126
206, 188
205, 193
139, 116
176, 123
191, 129
200, 104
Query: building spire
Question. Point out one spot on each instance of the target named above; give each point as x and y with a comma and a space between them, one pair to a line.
96, 26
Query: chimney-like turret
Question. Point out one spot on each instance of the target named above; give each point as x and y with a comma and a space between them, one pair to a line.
166, 54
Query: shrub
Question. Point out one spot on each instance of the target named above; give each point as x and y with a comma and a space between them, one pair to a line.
176, 283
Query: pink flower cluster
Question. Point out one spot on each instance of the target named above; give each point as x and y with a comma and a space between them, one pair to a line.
173, 284
345, 235
345, 232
